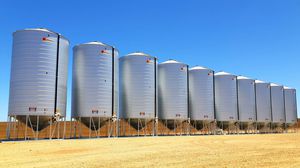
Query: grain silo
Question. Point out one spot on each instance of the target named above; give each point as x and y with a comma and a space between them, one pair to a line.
38, 84
277, 104
138, 93
226, 103
263, 105
290, 106
246, 103
173, 95
201, 98
95, 85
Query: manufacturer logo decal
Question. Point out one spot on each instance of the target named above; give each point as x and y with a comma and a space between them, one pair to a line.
149, 60
105, 52
45, 39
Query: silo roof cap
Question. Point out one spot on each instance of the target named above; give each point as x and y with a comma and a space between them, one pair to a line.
274, 84
288, 88
94, 43
199, 68
39, 29
260, 81
172, 61
222, 73
243, 77
42, 29
138, 53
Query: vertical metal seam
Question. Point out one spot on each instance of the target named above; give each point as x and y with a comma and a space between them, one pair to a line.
237, 98
295, 95
284, 110
214, 94
113, 81
271, 103
255, 100
188, 90
56, 74
155, 89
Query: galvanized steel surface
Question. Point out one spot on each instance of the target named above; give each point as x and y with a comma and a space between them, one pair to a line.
290, 105
92, 92
138, 86
33, 73
173, 90
201, 101
263, 101
246, 99
226, 97
277, 102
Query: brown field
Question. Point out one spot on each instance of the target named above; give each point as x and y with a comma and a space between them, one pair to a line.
268, 150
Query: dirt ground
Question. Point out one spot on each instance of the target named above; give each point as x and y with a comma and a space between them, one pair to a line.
269, 150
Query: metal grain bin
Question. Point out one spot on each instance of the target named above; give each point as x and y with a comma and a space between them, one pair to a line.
263, 102
95, 83
38, 84
173, 90
290, 105
138, 92
277, 102
201, 94
226, 97
246, 100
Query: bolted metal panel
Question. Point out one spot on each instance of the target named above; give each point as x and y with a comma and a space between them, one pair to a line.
226, 97
246, 99
277, 102
290, 105
93, 78
138, 86
62, 76
172, 90
201, 85
38, 80
263, 102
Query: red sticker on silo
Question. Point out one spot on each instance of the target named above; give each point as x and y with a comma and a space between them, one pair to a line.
104, 52
45, 39
148, 60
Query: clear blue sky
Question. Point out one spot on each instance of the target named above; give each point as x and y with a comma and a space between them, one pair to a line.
255, 38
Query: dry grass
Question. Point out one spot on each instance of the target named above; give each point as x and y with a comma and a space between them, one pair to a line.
272, 150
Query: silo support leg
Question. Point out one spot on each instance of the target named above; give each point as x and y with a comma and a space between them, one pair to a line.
26, 127
58, 129
130, 127
54, 129
71, 128
99, 128
64, 132
153, 127
31, 126
50, 131
94, 127
8, 129
145, 130
174, 127
138, 127
15, 124
90, 127
37, 127
108, 129
80, 128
